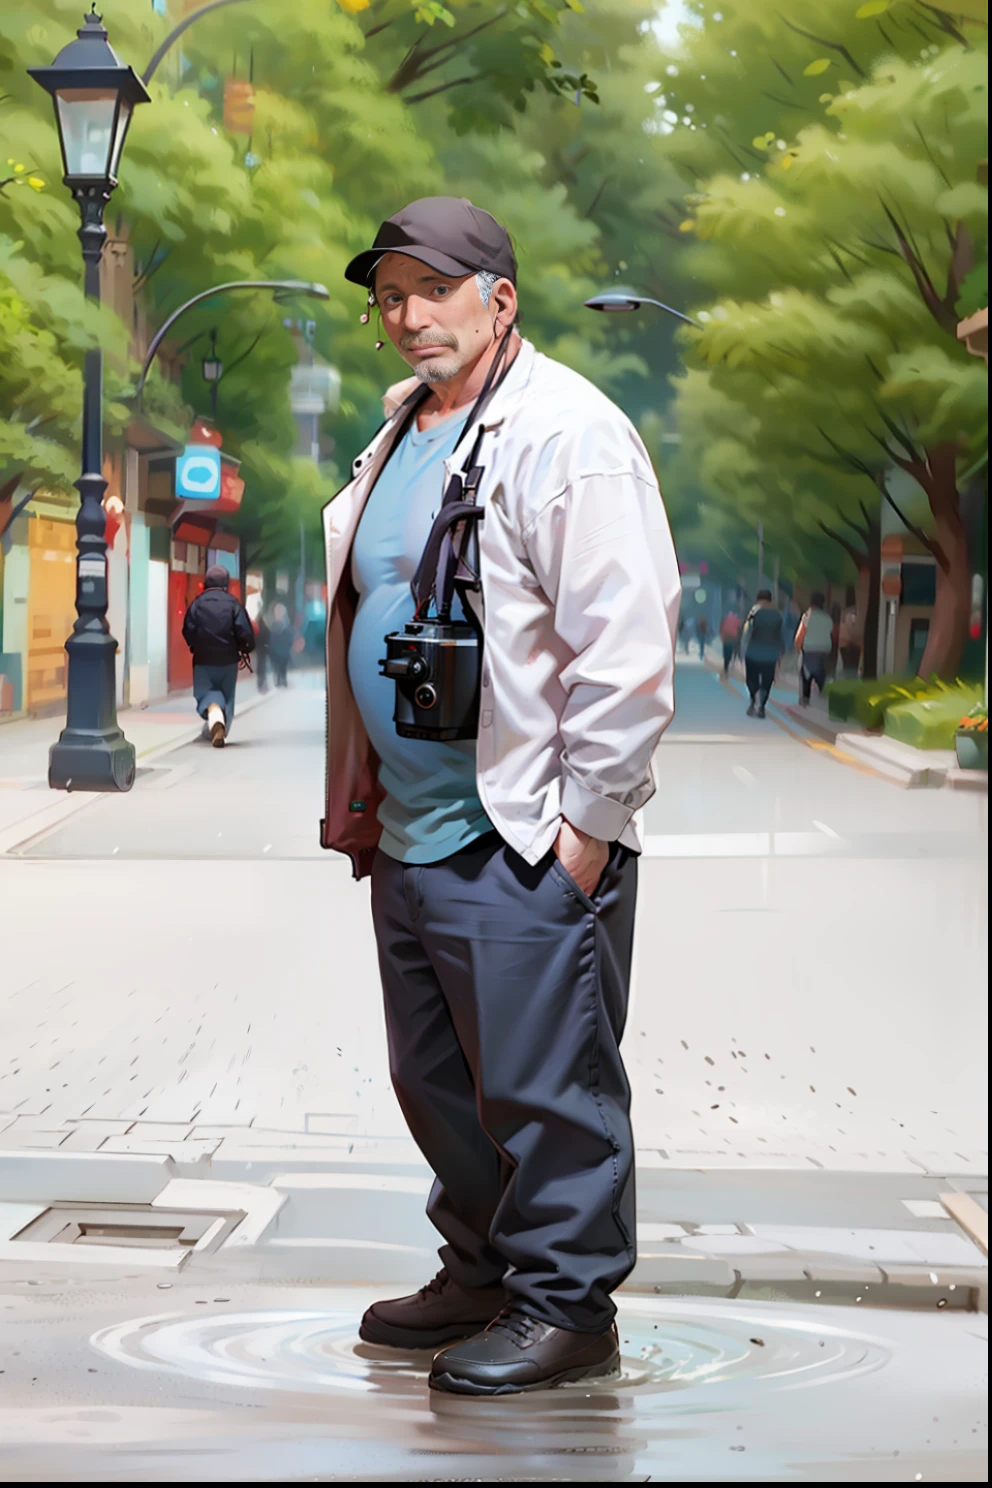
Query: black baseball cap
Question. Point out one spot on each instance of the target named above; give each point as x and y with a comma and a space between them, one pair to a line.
447, 233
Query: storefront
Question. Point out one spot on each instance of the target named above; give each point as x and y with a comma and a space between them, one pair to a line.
51, 610
199, 540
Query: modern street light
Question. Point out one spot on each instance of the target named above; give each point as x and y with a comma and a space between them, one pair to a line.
94, 95
280, 287
619, 302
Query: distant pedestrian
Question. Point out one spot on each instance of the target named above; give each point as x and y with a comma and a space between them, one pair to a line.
684, 635
217, 630
763, 645
262, 642
730, 635
815, 643
702, 631
282, 638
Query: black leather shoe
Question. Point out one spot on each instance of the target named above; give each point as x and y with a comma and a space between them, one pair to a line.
517, 1352
438, 1313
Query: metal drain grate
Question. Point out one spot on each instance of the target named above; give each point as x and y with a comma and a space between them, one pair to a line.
132, 1227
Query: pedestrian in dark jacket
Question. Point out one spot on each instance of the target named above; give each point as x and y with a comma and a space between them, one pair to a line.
763, 646
219, 633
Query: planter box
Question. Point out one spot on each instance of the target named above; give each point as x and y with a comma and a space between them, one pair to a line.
972, 749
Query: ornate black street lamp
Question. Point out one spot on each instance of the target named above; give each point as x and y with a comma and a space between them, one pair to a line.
620, 302
94, 95
213, 370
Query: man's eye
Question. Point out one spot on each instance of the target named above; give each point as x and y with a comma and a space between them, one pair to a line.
442, 289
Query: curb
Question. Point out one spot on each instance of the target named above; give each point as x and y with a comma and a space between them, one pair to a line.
913, 768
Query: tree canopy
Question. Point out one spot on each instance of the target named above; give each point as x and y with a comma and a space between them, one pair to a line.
803, 181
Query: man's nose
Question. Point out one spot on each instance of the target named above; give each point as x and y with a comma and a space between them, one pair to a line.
417, 314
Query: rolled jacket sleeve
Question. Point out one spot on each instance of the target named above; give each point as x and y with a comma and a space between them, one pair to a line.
603, 554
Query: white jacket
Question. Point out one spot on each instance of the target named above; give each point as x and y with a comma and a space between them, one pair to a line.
580, 601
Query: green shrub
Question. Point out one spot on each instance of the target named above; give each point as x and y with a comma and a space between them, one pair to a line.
853, 700
932, 721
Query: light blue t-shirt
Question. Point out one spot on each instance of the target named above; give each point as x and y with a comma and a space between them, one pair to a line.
431, 807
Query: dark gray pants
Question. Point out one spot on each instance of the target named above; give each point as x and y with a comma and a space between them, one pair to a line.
506, 993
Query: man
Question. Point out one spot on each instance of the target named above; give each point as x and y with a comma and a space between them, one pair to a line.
217, 630
282, 637
730, 634
504, 865
763, 646
815, 643
262, 639
702, 631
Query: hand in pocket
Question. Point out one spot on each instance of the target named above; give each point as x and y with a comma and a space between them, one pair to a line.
583, 858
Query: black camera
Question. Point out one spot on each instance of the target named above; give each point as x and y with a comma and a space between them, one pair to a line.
435, 665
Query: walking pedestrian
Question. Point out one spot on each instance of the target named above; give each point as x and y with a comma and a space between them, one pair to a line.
262, 642
814, 642
762, 650
702, 631
218, 632
730, 635
282, 637
502, 849
684, 635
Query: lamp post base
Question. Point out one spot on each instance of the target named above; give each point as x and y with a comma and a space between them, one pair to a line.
91, 754
91, 760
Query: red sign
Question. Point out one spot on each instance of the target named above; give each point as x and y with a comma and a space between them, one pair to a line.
204, 433
892, 548
232, 487
892, 585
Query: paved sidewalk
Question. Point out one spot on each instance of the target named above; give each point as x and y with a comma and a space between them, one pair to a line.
191, 992
24, 746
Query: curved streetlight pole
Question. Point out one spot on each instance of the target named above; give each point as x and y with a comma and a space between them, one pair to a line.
619, 302
174, 35
285, 286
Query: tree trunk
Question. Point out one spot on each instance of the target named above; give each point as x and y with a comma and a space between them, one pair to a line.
949, 625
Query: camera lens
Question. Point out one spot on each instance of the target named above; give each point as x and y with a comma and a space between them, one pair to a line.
425, 696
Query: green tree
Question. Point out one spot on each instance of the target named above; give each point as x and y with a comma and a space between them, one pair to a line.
839, 264
488, 60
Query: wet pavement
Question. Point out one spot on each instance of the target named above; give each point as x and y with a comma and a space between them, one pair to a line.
133, 1380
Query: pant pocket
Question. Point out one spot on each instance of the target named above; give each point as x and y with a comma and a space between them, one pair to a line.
567, 882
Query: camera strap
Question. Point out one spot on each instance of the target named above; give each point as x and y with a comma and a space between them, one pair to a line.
435, 578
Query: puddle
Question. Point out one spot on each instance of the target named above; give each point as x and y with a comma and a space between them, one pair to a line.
732, 1354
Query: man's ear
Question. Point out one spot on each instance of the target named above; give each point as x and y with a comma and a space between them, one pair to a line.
504, 297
